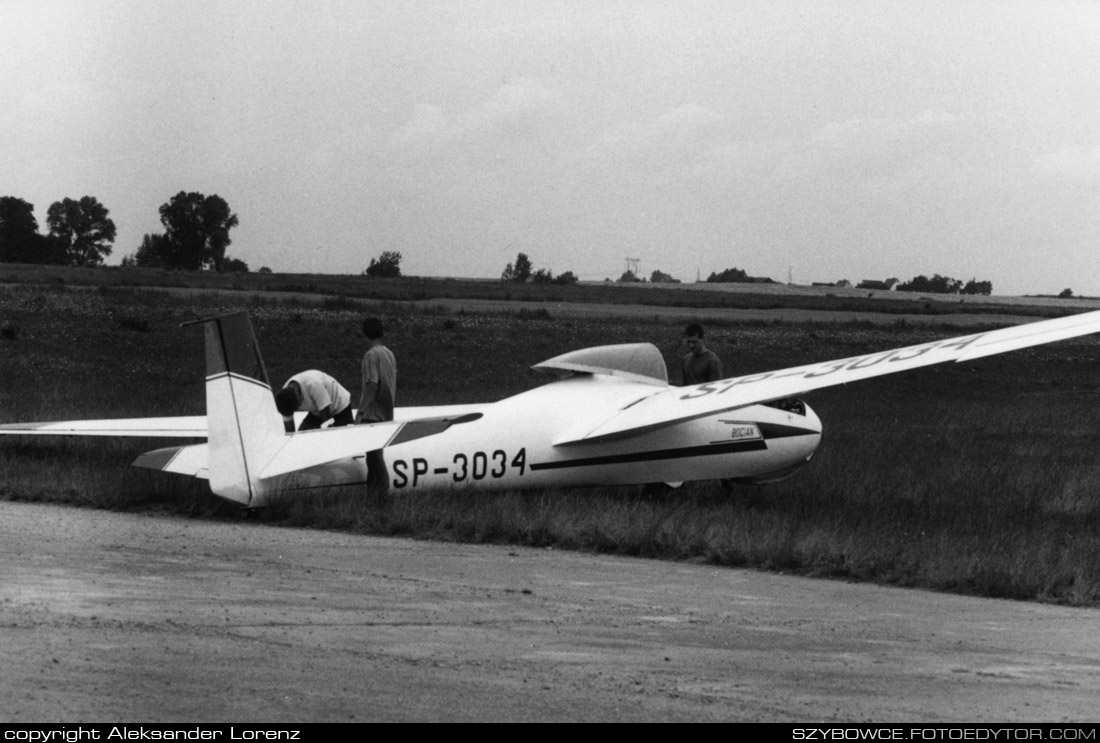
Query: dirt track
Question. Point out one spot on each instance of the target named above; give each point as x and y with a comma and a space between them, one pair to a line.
107, 617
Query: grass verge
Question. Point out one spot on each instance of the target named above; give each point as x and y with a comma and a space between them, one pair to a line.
980, 479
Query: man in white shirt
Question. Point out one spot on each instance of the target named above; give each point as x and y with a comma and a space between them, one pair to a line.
319, 395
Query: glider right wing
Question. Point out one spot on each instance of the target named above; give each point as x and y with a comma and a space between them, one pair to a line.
678, 404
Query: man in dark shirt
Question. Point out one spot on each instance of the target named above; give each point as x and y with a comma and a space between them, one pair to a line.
377, 398
700, 364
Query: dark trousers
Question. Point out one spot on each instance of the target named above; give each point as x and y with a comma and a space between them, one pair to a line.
311, 421
378, 477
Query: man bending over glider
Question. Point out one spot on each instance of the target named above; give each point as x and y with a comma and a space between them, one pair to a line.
319, 395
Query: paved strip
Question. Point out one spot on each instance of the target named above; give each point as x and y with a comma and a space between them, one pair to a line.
107, 617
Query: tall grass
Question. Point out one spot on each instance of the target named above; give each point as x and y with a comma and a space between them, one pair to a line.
981, 479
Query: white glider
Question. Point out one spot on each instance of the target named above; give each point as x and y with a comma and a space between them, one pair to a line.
611, 419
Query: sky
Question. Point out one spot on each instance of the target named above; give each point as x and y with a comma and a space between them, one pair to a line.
812, 141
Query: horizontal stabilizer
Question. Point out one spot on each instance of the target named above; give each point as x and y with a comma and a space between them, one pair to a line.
679, 404
192, 426
307, 449
182, 460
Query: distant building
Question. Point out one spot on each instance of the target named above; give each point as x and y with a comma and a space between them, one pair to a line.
887, 285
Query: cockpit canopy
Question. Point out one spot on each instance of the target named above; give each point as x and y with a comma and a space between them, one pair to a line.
640, 362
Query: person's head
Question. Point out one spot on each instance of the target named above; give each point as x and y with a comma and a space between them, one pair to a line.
372, 328
287, 400
693, 337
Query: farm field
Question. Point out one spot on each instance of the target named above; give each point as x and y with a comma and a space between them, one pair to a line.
975, 478
735, 296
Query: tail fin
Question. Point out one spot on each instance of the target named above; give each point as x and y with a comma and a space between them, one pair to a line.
245, 429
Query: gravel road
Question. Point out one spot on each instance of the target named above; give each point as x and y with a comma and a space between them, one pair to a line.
108, 617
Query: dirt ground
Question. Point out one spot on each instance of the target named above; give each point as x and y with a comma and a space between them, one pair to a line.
108, 617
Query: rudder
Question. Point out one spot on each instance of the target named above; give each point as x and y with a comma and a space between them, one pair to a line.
245, 429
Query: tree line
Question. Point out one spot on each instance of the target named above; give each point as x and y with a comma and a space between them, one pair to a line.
736, 276
523, 270
946, 285
81, 233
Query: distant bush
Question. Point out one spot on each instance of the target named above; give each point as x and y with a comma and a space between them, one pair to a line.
235, 265
386, 266
736, 276
946, 285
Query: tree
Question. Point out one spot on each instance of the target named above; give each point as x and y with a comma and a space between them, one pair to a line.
1066, 294
83, 229
660, 277
935, 285
628, 277
387, 266
523, 268
977, 287
234, 265
19, 238
196, 234
729, 276
153, 253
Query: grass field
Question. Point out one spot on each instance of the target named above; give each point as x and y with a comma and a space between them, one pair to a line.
979, 478
700, 296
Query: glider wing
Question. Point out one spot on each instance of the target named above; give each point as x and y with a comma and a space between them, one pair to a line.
191, 460
192, 426
674, 405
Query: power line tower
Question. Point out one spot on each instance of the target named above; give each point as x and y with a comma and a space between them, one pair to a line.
632, 265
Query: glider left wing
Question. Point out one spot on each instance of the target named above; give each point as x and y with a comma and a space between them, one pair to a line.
678, 404
305, 449
181, 427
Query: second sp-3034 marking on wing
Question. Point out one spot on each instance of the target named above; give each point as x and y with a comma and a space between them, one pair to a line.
831, 367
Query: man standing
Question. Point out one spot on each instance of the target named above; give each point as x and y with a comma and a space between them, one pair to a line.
700, 364
317, 393
377, 398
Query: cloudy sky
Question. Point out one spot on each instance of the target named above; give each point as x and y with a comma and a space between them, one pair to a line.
831, 140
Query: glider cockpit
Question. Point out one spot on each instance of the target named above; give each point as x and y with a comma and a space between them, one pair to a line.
638, 362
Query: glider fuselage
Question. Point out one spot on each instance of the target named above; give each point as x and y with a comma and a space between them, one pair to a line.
513, 444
